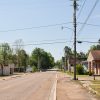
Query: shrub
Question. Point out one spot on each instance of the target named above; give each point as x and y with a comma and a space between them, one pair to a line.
79, 69
34, 69
91, 73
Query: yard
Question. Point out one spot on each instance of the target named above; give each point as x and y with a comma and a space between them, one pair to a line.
96, 86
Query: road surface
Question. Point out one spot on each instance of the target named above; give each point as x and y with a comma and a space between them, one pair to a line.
36, 86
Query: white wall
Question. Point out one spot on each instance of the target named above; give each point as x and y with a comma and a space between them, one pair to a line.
6, 70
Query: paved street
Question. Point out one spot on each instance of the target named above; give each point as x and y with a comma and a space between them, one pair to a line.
36, 86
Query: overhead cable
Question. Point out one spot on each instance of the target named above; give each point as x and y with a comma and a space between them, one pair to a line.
88, 17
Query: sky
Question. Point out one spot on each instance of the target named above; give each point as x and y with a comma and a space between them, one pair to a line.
34, 14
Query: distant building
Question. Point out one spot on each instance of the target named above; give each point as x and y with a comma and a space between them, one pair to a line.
7, 69
70, 63
94, 61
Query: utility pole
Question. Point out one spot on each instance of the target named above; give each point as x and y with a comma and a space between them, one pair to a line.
74, 23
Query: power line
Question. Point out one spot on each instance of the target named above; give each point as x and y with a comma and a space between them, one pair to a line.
43, 43
81, 9
58, 42
52, 25
89, 24
29, 28
94, 25
88, 17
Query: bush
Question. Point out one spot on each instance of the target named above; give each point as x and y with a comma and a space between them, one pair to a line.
86, 72
91, 73
79, 69
34, 69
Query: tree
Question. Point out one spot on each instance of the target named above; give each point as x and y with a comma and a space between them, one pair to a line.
67, 51
18, 47
23, 59
41, 59
68, 54
5, 54
58, 64
19, 44
36, 55
14, 59
81, 56
94, 47
47, 61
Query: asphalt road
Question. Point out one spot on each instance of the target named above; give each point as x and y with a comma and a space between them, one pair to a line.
36, 86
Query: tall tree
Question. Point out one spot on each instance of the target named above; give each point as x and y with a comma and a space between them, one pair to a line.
42, 59
94, 47
5, 54
18, 47
67, 51
23, 59
37, 54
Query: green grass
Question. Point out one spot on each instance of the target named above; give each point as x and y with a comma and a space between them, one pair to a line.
96, 85
69, 73
96, 81
77, 75
82, 75
96, 88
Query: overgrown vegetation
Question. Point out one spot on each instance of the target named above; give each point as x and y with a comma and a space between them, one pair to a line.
79, 69
39, 58
34, 69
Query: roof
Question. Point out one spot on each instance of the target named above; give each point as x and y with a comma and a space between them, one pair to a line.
94, 55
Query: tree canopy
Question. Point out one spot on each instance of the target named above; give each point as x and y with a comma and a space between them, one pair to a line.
42, 59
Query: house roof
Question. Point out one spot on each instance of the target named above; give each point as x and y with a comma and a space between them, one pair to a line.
94, 55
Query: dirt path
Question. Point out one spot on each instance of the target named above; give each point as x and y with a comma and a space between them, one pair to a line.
67, 89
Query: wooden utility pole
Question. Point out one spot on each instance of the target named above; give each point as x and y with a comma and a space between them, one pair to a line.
74, 23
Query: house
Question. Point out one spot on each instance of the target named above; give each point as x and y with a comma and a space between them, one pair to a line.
7, 69
94, 61
70, 63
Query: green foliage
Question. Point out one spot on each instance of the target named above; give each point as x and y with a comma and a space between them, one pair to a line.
91, 73
34, 68
94, 47
58, 64
81, 56
23, 58
41, 59
5, 54
67, 51
79, 69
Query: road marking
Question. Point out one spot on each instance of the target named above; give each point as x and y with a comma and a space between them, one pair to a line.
53, 90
